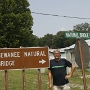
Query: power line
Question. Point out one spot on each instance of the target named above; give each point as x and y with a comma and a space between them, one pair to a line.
59, 15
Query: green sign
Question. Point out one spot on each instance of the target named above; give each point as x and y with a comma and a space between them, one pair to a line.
77, 35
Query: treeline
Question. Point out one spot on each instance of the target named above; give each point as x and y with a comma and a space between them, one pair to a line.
59, 40
16, 24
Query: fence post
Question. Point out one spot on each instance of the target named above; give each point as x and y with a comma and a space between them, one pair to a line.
39, 79
24, 81
6, 80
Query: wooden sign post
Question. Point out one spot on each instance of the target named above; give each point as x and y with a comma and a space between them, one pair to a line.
18, 58
82, 55
23, 58
82, 64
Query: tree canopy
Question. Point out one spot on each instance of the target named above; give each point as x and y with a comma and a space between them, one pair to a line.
59, 40
83, 27
15, 23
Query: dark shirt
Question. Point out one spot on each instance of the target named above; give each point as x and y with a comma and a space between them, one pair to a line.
58, 70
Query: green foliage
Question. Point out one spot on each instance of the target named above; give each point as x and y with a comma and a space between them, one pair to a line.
59, 40
47, 40
15, 28
69, 41
56, 41
83, 27
35, 41
15, 23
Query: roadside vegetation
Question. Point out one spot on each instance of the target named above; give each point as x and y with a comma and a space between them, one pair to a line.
31, 78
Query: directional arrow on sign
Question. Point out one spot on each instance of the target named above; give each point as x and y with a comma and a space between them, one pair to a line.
42, 61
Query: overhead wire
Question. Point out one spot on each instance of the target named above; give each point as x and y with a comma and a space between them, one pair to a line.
58, 15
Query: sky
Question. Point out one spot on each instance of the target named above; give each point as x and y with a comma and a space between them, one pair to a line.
48, 24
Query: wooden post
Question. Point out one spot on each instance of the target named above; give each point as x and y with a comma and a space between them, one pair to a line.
82, 64
39, 80
24, 81
6, 80
23, 76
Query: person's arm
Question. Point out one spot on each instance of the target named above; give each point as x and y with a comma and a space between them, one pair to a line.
50, 79
71, 72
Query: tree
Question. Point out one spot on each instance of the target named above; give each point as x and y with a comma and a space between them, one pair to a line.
35, 41
61, 42
83, 27
15, 23
47, 40
59, 39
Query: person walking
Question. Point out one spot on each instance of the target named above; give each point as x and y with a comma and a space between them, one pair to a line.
57, 71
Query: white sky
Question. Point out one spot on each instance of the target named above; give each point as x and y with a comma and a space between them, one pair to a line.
51, 24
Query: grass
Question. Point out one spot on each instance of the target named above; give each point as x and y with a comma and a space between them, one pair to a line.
31, 77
